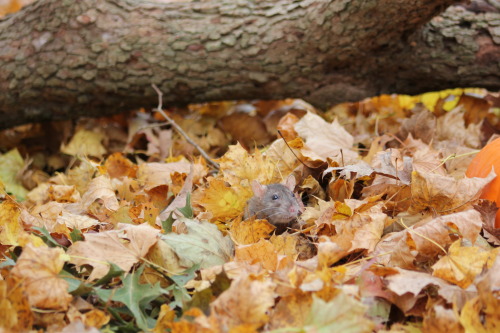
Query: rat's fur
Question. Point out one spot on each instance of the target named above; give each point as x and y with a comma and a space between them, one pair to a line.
282, 209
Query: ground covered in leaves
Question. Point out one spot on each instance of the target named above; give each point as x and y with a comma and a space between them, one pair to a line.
117, 224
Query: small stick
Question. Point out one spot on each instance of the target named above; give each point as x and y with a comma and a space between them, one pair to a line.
298, 159
179, 129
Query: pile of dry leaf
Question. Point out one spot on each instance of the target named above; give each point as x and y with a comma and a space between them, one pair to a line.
116, 225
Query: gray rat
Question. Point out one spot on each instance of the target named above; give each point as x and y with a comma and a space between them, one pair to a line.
274, 202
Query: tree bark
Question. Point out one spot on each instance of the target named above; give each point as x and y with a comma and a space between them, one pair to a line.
66, 58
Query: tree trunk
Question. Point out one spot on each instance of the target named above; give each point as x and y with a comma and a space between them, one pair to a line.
61, 59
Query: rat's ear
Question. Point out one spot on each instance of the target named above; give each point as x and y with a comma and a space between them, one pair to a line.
258, 189
290, 182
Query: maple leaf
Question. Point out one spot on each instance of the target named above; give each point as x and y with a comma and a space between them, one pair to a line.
14, 306
341, 314
151, 175
202, 244
237, 165
63, 193
135, 296
99, 188
420, 240
444, 193
452, 127
224, 202
250, 231
10, 224
85, 143
324, 140
123, 247
118, 166
39, 267
407, 285
440, 319
262, 252
463, 263
10, 165
284, 159
246, 302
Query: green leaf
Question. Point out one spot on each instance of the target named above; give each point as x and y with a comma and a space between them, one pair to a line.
342, 314
181, 295
76, 235
167, 224
47, 238
10, 164
114, 271
135, 296
7, 262
76, 286
187, 210
203, 244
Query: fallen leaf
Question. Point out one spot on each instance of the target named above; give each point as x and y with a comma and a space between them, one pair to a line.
463, 263
250, 231
224, 202
39, 268
341, 314
246, 302
10, 165
85, 143
123, 247
202, 244
324, 140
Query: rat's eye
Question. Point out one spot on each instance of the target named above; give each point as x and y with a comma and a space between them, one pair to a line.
275, 197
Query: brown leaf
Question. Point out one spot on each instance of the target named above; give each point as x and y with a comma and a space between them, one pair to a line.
246, 302
324, 140
39, 268
123, 247
445, 194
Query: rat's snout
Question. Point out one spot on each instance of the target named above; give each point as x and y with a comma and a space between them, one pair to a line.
293, 210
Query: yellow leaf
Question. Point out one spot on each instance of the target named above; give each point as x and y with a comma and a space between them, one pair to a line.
237, 165
14, 306
250, 231
224, 202
10, 224
85, 143
463, 264
10, 165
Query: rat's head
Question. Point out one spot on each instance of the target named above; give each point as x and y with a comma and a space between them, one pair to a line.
278, 202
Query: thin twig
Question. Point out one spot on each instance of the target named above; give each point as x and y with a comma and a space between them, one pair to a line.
298, 159
179, 129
